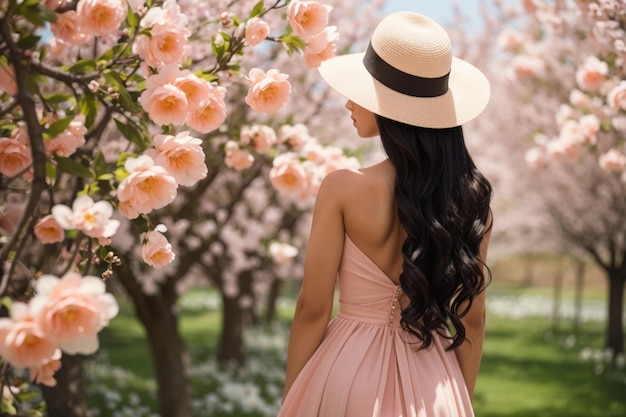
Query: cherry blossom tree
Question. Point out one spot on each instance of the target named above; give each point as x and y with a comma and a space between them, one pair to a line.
558, 67
150, 144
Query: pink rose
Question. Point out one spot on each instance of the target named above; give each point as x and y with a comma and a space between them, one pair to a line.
617, 96
211, 114
44, 373
101, 17
536, 158
67, 29
165, 104
261, 137
48, 230
196, 90
612, 161
181, 155
307, 18
289, 177
591, 75
282, 253
52, 4
531, 6
14, 157
22, 341
93, 219
72, 310
589, 127
267, 92
320, 47
236, 158
157, 251
8, 83
148, 187
256, 31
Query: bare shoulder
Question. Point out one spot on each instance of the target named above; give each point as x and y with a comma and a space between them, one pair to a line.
340, 182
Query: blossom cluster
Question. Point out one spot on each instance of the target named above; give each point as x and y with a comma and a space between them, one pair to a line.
65, 315
592, 70
300, 162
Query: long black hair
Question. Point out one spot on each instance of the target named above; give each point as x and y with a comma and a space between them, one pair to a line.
443, 204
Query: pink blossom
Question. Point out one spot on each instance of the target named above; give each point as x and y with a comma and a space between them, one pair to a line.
101, 17
148, 187
531, 6
612, 161
307, 18
14, 157
509, 41
282, 252
93, 219
169, 32
236, 158
181, 155
261, 137
66, 143
616, 98
196, 90
320, 47
72, 310
8, 83
579, 99
211, 114
536, 158
296, 136
22, 342
267, 92
564, 147
256, 31
525, 67
44, 373
52, 4
48, 230
166, 104
67, 29
288, 176
157, 251
591, 75
589, 126
166, 45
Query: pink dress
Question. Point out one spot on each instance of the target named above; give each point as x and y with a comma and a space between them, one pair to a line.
365, 365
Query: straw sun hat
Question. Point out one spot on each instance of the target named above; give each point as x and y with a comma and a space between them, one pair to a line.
408, 74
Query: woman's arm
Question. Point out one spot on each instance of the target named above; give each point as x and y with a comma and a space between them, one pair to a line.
470, 352
323, 255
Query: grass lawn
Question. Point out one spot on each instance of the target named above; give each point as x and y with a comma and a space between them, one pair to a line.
526, 370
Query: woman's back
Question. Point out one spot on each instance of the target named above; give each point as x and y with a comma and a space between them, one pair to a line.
371, 218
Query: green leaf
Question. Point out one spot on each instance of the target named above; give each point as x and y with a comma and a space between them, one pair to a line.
258, 9
51, 171
83, 66
56, 98
58, 127
131, 132
72, 167
132, 20
88, 106
114, 79
28, 41
99, 164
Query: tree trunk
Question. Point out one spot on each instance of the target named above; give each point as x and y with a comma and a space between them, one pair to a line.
578, 296
558, 291
272, 298
231, 339
169, 355
615, 329
67, 398
170, 360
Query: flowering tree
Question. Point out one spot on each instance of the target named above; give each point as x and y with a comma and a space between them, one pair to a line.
125, 151
562, 64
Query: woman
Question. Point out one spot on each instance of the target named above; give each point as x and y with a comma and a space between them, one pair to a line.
406, 240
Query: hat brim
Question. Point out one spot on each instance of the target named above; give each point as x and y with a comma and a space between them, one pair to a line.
467, 96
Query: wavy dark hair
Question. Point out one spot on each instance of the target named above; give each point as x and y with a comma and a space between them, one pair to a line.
443, 204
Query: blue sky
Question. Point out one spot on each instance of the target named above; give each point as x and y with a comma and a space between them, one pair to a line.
438, 10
